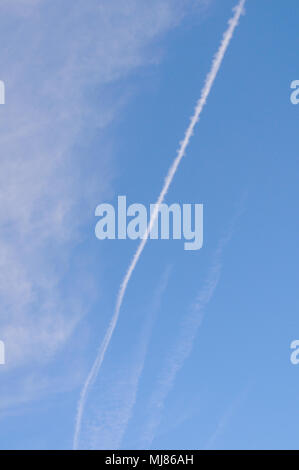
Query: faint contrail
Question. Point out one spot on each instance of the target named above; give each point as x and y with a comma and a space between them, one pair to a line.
188, 332
233, 22
114, 421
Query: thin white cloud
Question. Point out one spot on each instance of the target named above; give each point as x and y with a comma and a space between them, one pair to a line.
183, 346
233, 22
57, 59
227, 416
107, 423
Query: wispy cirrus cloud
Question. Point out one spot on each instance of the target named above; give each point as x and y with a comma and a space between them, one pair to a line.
57, 62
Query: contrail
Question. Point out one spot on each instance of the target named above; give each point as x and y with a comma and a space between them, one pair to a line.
184, 345
232, 24
114, 421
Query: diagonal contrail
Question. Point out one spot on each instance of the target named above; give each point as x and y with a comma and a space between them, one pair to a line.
187, 335
232, 24
113, 424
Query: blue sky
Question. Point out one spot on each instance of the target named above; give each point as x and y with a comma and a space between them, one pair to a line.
98, 97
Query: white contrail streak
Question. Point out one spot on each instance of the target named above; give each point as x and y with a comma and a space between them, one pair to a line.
184, 345
233, 22
114, 420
